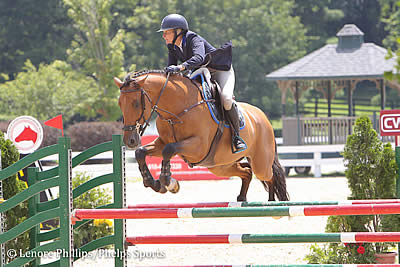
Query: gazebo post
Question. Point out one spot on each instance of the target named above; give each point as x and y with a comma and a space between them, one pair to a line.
330, 112
383, 94
350, 99
296, 95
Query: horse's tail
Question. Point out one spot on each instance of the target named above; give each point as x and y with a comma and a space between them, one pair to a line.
278, 180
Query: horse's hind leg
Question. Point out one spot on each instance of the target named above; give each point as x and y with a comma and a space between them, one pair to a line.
243, 170
268, 170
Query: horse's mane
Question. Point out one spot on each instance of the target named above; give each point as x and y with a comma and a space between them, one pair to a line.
134, 74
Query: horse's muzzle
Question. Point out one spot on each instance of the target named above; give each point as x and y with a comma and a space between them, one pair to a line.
132, 139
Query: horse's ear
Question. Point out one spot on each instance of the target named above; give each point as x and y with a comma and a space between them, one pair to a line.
141, 80
118, 82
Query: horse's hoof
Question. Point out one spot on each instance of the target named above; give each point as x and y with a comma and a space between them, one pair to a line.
241, 199
173, 186
162, 190
176, 188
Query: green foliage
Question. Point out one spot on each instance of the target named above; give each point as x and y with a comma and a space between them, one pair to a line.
371, 174
390, 13
391, 20
12, 186
96, 197
97, 52
36, 30
46, 91
99, 35
320, 19
264, 33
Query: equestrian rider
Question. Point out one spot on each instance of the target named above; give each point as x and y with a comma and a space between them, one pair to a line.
195, 52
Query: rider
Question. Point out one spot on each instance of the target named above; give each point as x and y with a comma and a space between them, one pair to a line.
194, 52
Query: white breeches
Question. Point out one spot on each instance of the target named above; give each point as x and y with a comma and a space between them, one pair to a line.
226, 80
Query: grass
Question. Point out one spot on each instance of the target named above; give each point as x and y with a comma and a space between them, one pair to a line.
276, 124
133, 179
311, 175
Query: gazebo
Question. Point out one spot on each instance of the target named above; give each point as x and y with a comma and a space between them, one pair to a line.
329, 69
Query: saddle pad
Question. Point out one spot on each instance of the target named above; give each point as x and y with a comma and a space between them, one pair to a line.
214, 109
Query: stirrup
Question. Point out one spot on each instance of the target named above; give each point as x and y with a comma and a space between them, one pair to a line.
234, 150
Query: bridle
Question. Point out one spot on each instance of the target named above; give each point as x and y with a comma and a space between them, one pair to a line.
140, 128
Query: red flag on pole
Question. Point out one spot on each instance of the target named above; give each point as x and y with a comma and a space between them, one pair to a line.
56, 122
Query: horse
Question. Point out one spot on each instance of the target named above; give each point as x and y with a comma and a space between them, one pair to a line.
187, 129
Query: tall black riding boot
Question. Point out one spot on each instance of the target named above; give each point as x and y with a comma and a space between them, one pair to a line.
238, 144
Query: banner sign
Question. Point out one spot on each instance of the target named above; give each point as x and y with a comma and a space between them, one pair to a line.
390, 122
179, 169
26, 133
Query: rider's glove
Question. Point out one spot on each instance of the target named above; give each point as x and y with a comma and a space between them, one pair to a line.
173, 68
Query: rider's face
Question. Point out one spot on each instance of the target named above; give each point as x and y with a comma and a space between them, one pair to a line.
168, 36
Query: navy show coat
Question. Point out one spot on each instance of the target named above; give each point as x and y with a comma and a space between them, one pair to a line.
196, 52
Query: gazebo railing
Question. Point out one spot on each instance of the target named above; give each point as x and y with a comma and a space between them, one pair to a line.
321, 130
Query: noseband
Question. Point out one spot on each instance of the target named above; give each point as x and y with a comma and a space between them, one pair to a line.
140, 128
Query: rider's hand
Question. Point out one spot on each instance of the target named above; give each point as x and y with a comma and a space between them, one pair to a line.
173, 68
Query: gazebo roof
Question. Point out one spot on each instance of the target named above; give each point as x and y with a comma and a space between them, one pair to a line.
351, 58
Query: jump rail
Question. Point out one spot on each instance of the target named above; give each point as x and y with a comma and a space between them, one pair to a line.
364, 237
289, 265
259, 204
322, 210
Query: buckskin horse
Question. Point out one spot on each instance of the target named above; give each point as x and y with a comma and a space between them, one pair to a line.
187, 129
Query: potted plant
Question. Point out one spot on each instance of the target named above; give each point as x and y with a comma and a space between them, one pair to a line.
371, 174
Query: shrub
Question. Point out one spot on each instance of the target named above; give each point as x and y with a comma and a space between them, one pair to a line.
94, 198
12, 186
371, 174
87, 134
50, 135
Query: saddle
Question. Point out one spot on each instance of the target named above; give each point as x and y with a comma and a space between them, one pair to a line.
210, 90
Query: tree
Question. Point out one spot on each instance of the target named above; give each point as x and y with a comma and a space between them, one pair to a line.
264, 34
390, 16
97, 52
35, 30
371, 174
320, 19
48, 90
366, 14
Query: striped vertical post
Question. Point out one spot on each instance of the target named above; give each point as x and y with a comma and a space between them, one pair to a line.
65, 200
2, 224
397, 151
32, 206
119, 183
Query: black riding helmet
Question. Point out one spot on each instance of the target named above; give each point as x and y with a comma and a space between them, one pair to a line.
174, 22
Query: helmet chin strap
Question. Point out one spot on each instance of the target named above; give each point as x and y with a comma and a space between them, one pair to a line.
176, 36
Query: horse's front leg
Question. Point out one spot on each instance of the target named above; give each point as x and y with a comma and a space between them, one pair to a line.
152, 149
188, 146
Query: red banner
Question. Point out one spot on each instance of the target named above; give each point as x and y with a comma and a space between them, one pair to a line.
179, 169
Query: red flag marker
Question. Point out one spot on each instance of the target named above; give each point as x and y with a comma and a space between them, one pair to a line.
56, 122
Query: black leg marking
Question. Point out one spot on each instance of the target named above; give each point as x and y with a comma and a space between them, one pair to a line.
148, 179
